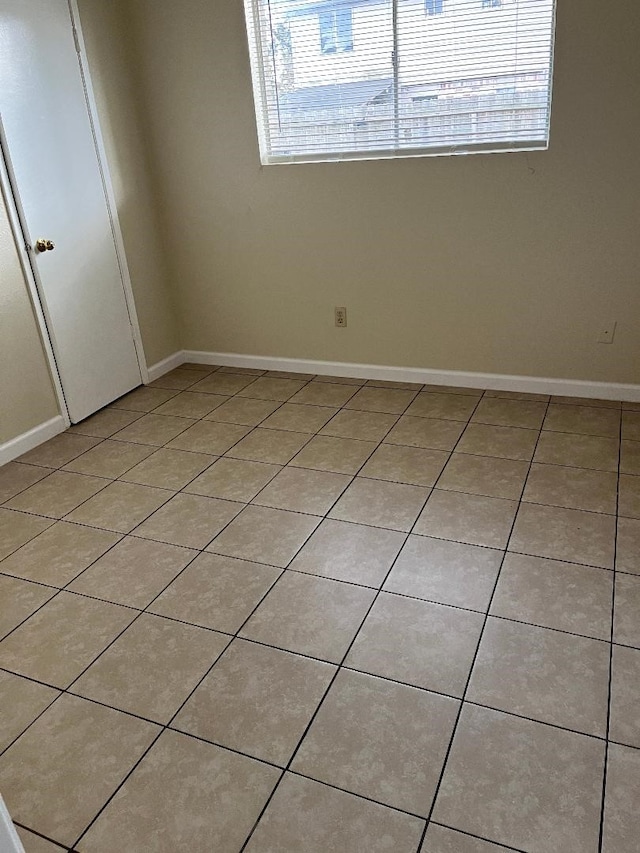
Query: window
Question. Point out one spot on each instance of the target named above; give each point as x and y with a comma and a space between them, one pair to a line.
433, 7
403, 83
336, 30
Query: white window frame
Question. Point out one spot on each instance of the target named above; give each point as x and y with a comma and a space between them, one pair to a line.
261, 109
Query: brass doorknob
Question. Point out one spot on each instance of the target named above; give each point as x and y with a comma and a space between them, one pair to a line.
43, 245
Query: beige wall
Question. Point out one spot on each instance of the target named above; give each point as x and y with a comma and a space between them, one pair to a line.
506, 263
109, 62
27, 398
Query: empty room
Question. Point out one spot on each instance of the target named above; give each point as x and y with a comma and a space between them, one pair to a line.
319, 426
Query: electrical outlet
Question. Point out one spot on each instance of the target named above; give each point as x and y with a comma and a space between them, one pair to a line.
606, 333
341, 317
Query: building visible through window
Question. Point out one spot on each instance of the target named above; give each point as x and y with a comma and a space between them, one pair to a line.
339, 79
433, 7
336, 30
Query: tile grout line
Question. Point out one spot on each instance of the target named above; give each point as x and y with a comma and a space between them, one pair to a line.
72, 580
311, 515
344, 657
378, 444
321, 517
251, 430
478, 837
204, 418
253, 757
139, 612
102, 440
64, 690
95, 597
260, 424
162, 726
264, 761
461, 700
477, 649
62, 847
306, 657
15, 628
48, 601
611, 648
302, 468
199, 552
132, 531
156, 448
354, 638
364, 797
173, 492
167, 726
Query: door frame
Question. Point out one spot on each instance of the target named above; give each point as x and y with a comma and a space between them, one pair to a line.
9, 191
23, 250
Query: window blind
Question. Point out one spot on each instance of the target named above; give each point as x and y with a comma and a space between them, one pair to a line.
354, 79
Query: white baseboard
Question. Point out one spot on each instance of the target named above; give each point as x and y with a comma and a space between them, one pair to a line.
32, 438
170, 363
500, 382
495, 381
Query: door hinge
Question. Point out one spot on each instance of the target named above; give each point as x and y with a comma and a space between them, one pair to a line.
76, 40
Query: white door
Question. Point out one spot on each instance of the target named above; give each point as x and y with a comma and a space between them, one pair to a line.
57, 182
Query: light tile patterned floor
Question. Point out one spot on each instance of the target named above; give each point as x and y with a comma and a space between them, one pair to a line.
272, 612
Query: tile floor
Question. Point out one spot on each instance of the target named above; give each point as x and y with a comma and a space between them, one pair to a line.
272, 612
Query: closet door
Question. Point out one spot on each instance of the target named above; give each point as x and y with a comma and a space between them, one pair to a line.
49, 147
